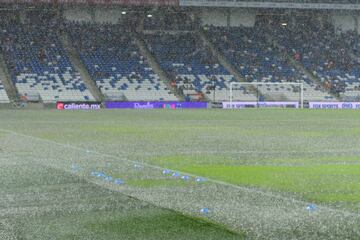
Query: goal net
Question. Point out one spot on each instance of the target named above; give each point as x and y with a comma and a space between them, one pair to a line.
262, 94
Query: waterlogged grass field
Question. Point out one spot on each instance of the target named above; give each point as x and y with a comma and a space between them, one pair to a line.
308, 156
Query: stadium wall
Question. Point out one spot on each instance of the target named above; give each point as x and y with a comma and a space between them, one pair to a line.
106, 15
215, 17
228, 17
79, 14
209, 16
242, 17
344, 22
98, 14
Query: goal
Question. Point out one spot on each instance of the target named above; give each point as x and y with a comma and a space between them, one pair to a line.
265, 94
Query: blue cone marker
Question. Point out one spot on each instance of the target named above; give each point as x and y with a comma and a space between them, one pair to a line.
311, 207
74, 168
119, 181
166, 171
185, 177
137, 166
200, 179
108, 178
204, 210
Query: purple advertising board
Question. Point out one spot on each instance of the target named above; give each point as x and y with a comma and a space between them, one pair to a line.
152, 105
334, 105
239, 105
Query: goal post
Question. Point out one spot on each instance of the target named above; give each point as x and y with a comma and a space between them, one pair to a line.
266, 92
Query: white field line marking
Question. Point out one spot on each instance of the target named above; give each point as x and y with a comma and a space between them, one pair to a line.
251, 190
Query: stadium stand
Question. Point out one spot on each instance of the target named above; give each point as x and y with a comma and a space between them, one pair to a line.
114, 62
191, 65
258, 61
38, 64
40, 68
3, 96
325, 53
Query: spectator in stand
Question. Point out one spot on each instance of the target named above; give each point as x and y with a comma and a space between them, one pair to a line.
297, 56
42, 55
24, 100
173, 84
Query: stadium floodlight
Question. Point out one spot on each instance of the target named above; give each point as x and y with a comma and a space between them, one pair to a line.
267, 94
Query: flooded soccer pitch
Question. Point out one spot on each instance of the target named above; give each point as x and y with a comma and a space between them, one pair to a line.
163, 174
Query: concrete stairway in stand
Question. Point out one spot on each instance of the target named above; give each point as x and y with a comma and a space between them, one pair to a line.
80, 67
224, 62
140, 43
6, 81
298, 66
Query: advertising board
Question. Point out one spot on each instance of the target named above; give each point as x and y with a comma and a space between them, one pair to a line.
153, 105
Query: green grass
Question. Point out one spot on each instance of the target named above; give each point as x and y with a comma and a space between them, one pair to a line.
313, 181
149, 224
313, 155
152, 225
81, 210
283, 150
329, 183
